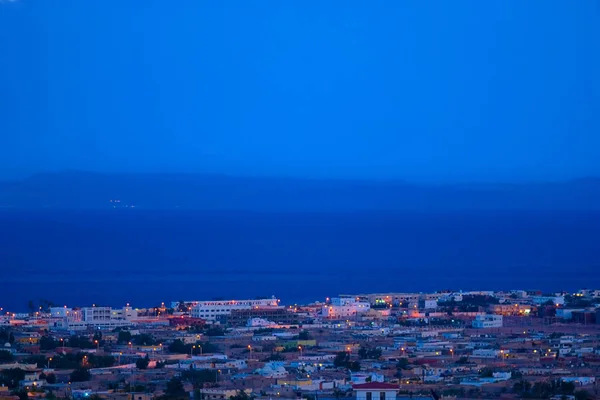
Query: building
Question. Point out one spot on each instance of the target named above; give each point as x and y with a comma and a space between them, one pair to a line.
376, 391
510, 309
343, 307
61, 312
279, 315
95, 315
486, 353
487, 321
219, 394
213, 310
427, 303
183, 321
556, 300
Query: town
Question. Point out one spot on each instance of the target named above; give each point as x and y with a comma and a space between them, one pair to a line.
378, 346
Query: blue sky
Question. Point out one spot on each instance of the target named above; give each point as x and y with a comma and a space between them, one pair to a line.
417, 90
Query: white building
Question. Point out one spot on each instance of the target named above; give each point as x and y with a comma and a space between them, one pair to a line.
210, 310
273, 369
579, 380
358, 378
376, 391
556, 300
99, 317
567, 313
486, 353
342, 307
96, 314
61, 312
427, 303
446, 297
487, 321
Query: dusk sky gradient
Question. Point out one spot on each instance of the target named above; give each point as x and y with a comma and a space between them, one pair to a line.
416, 90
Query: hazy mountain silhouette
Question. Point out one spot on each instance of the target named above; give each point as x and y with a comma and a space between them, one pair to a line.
84, 190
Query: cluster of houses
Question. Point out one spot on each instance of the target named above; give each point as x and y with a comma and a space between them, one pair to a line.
387, 346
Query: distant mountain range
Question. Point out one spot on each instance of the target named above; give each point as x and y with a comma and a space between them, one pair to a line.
85, 190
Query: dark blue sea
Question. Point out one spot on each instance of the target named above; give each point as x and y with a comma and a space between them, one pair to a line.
145, 257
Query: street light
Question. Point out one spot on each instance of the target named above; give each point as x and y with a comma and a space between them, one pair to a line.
192, 351
300, 348
48, 364
250, 348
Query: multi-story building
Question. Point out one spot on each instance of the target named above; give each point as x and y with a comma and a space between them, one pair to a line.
279, 315
342, 307
60, 312
99, 317
487, 321
212, 310
511, 309
376, 391
557, 300
427, 303
96, 314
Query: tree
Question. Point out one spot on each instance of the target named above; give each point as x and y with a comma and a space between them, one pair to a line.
304, 335
354, 366
215, 331
11, 377
4, 335
22, 394
402, 363
142, 363
96, 361
80, 375
240, 395
46, 304
177, 346
47, 343
367, 352
582, 395
124, 337
341, 359
51, 379
145, 339
175, 388
81, 342
31, 306
274, 357
181, 306
6, 356
198, 377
